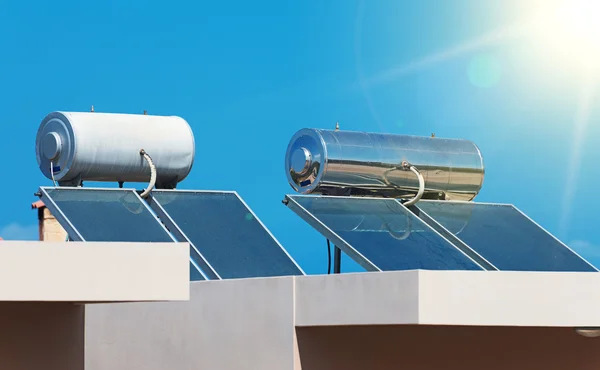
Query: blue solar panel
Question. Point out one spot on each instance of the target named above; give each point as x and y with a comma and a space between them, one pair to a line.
380, 234
232, 242
502, 235
106, 215
110, 215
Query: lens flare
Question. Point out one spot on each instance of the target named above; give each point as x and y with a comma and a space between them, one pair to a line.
484, 71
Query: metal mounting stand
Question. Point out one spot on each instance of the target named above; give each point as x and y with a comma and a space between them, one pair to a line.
337, 260
76, 182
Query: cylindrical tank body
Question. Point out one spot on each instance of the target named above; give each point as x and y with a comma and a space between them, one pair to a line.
338, 162
106, 147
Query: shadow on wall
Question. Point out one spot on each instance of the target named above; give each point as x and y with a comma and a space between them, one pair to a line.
445, 347
41, 335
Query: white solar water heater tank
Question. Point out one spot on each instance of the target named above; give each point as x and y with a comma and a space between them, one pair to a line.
90, 146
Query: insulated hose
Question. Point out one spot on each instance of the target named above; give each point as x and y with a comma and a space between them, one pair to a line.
146, 156
421, 184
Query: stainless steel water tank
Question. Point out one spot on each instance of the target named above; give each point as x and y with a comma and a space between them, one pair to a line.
105, 147
361, 163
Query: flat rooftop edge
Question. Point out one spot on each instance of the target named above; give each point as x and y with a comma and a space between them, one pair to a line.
93, 271
459, 298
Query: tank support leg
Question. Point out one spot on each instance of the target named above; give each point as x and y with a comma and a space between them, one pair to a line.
337, 260
74, 182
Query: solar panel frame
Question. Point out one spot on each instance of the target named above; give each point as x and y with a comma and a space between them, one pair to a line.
269, 232
72, 231
207, 268
443, 230
63, 220
68, 225
318, 225
554, 237
456, 241
346, 247
164, 215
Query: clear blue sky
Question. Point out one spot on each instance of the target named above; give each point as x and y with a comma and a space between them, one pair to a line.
247, 75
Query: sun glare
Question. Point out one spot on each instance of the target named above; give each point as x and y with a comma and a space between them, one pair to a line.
572, 28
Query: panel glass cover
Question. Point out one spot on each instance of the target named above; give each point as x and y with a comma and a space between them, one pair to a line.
227, 234
385, 234
108, 215
504, 236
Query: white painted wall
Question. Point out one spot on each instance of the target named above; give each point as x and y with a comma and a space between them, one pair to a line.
352, 320
233, 324
93, 272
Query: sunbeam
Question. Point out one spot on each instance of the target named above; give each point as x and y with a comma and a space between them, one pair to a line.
581, 121
571, 30
568, 26
495, 37
504, 34
358, 60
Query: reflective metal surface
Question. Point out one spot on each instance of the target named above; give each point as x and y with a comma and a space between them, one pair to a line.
380, 234
360, 163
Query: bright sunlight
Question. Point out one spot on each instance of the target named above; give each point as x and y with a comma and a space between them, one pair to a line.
572, 28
